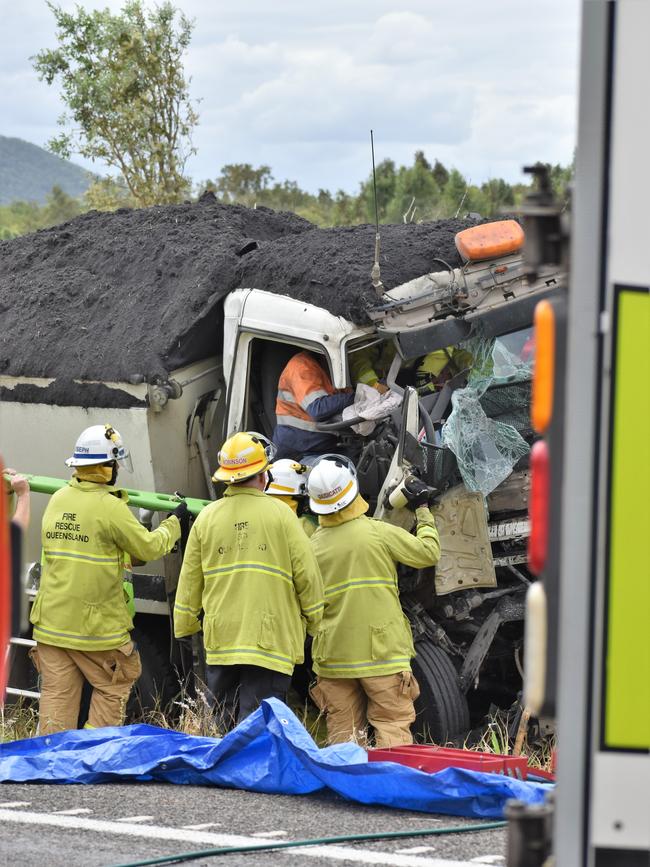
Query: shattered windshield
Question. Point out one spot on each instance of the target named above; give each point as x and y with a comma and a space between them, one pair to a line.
488, 427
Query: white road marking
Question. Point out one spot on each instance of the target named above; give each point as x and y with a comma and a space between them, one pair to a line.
415, 850
135, 819
15, 804
76, 811
270, 834
488, 859
202, 827
158, 832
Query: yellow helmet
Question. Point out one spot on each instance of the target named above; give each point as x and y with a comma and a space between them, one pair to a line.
243, 455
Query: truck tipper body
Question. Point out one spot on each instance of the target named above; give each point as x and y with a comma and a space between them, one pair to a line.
469, 439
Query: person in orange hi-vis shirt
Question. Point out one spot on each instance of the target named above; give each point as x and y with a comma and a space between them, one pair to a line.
306, 396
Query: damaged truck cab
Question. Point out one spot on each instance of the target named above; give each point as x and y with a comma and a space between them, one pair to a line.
469, 439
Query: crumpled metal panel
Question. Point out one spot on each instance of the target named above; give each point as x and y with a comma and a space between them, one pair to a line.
466, 554
512, 494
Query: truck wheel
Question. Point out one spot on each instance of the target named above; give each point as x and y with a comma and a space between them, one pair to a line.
158, 685
441, 710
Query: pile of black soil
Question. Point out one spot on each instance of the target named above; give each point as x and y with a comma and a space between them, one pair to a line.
331, 267
112, 296
66, 392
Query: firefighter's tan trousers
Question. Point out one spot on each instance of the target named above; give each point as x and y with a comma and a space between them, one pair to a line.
111, 673
386, 702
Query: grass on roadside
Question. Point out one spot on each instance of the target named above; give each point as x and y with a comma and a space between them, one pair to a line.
496, 740
18, 720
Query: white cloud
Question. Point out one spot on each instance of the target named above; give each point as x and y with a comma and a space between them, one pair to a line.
402, 38
297, 86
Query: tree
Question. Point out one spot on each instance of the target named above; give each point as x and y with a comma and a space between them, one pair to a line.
415, 194
422, 162
18, 218
440, 174
109, 194
243, 184
346, 211
386, 177
496, 194
60, 207
454, 195
561, 178
126, 94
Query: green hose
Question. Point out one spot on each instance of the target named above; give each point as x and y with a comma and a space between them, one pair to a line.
316, 841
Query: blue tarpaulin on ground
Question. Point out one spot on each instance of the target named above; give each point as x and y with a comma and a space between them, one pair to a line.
271, 752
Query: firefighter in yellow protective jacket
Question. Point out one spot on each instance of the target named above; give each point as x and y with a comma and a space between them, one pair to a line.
371, 365
249, 567
80, 615
363, 650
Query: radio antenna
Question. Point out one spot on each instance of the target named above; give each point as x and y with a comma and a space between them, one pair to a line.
375, 273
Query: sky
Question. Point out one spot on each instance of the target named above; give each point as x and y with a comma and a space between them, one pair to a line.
486, 87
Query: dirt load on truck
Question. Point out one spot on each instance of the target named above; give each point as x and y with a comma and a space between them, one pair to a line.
135, 293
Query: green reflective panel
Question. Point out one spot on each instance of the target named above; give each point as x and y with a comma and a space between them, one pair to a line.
627, 666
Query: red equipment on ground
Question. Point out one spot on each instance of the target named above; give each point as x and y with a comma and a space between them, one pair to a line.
429, 758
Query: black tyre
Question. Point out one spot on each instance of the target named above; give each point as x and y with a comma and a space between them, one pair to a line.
158, 685
441, 710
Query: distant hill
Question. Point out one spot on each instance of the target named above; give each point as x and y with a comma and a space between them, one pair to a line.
28, 173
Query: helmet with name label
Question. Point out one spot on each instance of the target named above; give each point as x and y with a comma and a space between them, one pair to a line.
242, 456
332, 484
99, 444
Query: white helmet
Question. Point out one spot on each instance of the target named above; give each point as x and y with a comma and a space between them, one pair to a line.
98, 444
332, 484
287, 479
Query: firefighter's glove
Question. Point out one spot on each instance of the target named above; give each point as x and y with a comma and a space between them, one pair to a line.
183, 514
186, 645
417, 493
186, 653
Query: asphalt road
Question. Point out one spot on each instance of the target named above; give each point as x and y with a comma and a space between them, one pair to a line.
117, 824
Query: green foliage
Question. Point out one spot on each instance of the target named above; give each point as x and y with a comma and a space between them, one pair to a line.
242, 184
126, 94
561, 177
405, 193
19, 218
414, 193
497, 194
386, 175
108, 194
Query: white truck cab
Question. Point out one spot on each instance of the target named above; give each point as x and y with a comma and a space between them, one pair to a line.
262, 330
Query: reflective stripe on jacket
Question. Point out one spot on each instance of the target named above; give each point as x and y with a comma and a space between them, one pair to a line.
87, 531
249, 566
364, 631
